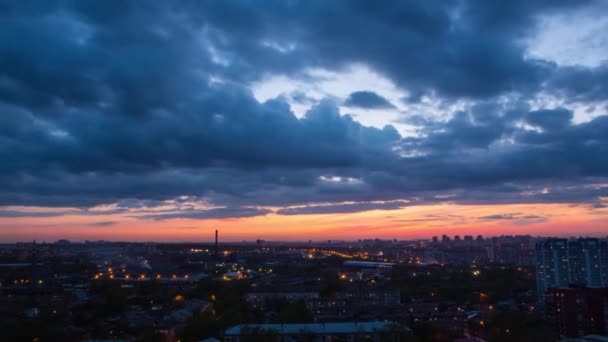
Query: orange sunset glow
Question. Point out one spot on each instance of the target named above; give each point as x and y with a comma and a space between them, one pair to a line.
407, 223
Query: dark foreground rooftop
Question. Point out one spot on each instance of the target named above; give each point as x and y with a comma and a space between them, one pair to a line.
314, 328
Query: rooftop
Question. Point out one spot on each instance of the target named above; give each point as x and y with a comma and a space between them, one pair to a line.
314, 328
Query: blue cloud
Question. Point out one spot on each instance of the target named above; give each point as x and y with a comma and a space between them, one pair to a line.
367, 99
106, 104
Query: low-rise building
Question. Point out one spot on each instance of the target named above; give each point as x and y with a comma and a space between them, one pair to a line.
344, 331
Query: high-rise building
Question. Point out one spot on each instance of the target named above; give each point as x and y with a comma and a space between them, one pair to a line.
604, 262
561, 262
577, 311
551, 265
585, 262
468, 239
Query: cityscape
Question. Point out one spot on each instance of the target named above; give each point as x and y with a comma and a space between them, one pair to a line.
469, 288
303, 171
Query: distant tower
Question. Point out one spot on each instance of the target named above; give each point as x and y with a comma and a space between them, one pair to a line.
216, 245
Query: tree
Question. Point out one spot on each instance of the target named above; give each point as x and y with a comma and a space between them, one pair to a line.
199, 327
516, 326
294, 313
397, 333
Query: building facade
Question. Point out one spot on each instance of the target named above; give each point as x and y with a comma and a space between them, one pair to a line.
577, 311
562, 262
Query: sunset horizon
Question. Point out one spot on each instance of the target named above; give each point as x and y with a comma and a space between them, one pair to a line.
420, 222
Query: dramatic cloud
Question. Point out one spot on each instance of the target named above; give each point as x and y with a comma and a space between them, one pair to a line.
549, 119
367, 99
144, 103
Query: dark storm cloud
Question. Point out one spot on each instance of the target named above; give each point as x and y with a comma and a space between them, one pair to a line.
151, 101
515, 17
469, 151
423, 45
90, 55
550, 119
579, 83
367, 99
233, 130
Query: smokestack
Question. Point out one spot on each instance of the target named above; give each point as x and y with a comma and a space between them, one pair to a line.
216, 245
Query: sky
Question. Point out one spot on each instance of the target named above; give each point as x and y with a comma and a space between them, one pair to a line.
298, 120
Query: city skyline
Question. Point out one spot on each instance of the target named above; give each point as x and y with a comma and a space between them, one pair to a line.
302, 120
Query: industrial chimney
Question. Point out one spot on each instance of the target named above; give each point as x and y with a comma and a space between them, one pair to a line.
216, 245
